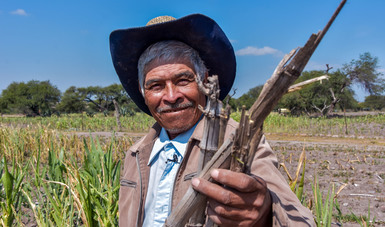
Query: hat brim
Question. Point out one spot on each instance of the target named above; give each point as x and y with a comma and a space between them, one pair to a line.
198, 31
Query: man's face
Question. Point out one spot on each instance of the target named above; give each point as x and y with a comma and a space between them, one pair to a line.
172, 96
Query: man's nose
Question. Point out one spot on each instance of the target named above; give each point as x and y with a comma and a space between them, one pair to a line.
172, 94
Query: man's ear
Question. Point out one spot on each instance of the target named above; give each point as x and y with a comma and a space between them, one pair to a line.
142, 92
206, 76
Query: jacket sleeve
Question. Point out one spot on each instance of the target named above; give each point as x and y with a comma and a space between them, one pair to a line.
287, 210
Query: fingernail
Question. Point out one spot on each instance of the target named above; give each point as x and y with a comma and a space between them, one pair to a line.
214, 173
195, 182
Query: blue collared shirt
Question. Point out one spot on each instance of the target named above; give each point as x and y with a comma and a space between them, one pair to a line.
165, 159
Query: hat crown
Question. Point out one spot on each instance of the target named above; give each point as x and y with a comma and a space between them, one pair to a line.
160, 19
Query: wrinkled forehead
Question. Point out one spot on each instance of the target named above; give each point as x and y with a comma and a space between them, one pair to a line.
159, 61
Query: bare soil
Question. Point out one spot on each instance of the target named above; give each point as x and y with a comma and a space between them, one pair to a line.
357, 165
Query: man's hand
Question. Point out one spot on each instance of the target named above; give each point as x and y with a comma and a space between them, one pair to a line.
243, 200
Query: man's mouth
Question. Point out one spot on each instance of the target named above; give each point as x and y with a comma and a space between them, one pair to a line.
175, 108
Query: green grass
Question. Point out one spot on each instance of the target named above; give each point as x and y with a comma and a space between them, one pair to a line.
356, 126
363, 220
274, 123
139, 122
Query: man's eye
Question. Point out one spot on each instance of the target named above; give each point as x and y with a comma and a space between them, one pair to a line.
154, 87
183, 82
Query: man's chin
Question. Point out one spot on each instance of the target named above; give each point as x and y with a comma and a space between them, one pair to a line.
178, 130
175, 131
178, 124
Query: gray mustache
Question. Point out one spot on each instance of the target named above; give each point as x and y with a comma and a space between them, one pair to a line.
174, 106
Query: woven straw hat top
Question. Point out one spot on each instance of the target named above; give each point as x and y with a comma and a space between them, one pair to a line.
160, 19
198, 31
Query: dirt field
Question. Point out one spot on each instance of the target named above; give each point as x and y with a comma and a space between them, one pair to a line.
358, 163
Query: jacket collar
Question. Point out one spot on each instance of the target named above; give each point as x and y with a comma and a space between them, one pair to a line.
155, 130
178, 142
198, 132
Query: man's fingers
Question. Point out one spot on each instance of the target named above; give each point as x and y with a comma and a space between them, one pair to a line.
232, 213
229, 196
224, 221
243, 199
219, 220
217, 192
238, 181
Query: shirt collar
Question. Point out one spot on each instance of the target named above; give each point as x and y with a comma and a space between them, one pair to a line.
179, 142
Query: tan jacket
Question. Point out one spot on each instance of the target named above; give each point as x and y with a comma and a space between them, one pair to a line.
286, 208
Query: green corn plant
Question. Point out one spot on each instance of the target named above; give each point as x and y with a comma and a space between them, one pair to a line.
323, 209
10, 191
85, 197
111, 186
297, 187
56, 167
98, 185
53, 203
364, 221
58, 192
35, 189
38, 214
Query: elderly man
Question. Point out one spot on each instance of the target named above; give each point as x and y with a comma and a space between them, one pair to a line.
158, 66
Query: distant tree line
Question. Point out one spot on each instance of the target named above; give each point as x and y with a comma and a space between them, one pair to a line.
31, 98
96, 99
41, 98
323, 98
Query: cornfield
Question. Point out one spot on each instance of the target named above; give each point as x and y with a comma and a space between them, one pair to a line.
51, 176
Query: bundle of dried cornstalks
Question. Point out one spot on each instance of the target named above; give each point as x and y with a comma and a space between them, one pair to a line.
247, 137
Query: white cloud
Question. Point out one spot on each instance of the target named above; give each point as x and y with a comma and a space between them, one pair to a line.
257, 51
20, 12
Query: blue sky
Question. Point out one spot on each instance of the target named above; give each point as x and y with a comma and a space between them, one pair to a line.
66, 42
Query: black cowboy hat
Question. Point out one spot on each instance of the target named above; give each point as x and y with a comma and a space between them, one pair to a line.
198, 31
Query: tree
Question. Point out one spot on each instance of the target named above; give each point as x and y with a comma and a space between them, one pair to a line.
319, 97
246, 99
376, 102
32, 98
100, 99
123, 102
364, 72
96, 99
14, 98
324, 97
72, 101
93, 95
295, 103
116, 92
